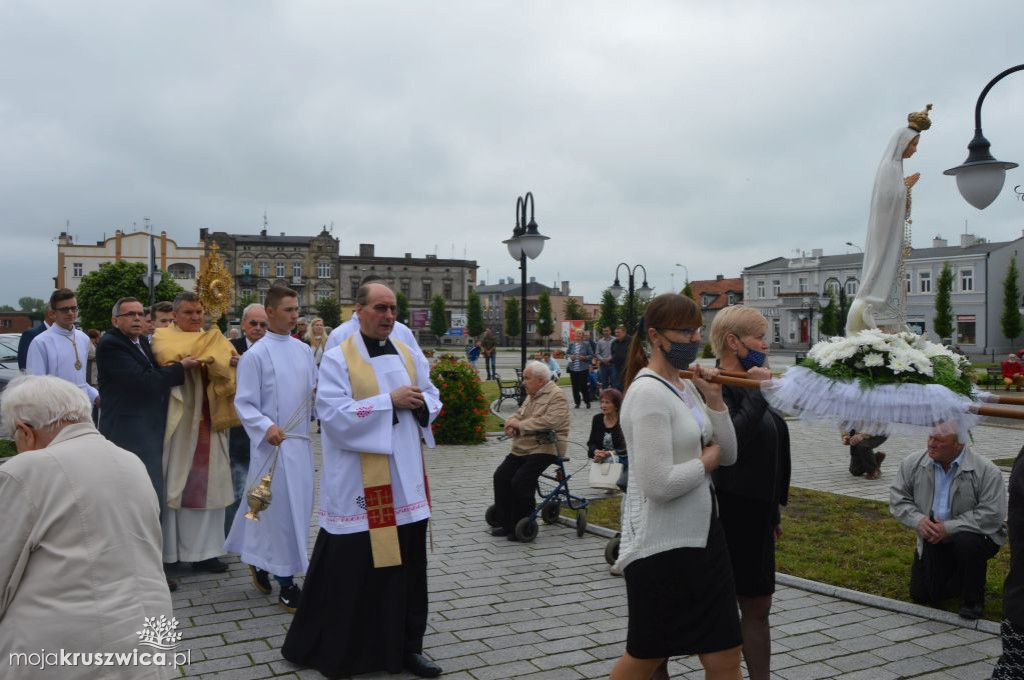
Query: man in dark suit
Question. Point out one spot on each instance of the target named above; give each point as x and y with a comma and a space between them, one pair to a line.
254, 327
134, 390
30, 334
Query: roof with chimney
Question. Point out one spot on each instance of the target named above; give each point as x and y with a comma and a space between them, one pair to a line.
719, 287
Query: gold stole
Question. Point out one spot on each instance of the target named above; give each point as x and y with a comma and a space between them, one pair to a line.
380, 501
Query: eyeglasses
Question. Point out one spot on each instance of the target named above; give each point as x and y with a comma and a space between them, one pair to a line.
66, 310
688, 332
382, 308
132, 315
257, 324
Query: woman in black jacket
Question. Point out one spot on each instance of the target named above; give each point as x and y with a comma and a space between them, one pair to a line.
751, 491
606, 438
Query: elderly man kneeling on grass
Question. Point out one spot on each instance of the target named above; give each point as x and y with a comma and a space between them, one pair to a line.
80, 563
956, 502
515, 480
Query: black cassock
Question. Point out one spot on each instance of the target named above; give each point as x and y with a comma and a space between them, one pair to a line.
133, 399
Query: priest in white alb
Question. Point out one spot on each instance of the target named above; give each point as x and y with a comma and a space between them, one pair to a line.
62, 350
399, 331
364, 605
273, 398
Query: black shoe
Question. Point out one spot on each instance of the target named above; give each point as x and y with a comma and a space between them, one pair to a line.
288, 598
500, 531
512, 536
421, 666
588, 404
577, 405
971, 612
260, 579
212, 565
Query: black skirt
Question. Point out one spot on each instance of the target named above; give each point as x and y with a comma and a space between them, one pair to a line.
747, 523
682, 601
353, 618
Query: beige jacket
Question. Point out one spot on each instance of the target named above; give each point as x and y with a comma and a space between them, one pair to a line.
548, 409
80, 561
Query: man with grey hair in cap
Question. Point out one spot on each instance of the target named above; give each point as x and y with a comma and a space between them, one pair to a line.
80, 565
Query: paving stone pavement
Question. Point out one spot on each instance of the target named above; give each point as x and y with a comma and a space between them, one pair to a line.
549, 610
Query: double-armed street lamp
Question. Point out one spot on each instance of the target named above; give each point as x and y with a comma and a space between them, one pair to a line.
980, 178
644, 293
526, 242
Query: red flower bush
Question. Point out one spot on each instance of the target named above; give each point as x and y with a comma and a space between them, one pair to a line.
461, 421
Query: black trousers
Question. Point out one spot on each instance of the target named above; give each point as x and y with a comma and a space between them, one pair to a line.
580, 387
957, 566
515, 482
862, 456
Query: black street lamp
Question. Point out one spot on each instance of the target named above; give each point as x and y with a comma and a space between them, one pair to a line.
644, 293
810, 304
980, 178
526, 242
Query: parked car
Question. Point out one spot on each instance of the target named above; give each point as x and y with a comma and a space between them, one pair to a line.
8, 358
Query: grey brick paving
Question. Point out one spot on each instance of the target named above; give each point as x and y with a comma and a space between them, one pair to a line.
550, 610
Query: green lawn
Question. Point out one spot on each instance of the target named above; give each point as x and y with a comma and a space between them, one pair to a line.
843, 541
1004, 462
7, 448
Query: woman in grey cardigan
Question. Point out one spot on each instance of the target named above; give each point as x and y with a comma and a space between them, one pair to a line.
673, 553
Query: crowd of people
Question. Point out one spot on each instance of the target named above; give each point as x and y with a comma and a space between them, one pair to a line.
188, 420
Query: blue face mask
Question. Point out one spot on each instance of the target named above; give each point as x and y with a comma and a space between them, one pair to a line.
681, 354
753, 359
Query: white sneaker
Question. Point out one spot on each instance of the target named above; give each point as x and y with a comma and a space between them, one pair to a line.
614, 571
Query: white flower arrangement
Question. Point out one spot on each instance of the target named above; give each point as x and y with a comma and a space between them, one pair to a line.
873, 358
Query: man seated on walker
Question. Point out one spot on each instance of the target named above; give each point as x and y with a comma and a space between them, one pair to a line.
515, 480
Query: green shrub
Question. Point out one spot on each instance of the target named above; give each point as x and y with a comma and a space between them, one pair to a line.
465, 409
707, 352
7, 448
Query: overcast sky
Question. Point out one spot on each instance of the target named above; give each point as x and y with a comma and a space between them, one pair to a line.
715, 135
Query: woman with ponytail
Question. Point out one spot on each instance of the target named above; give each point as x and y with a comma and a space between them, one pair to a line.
673, 553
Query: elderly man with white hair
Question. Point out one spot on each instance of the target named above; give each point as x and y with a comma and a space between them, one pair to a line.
515, 480
956, 502
80, 565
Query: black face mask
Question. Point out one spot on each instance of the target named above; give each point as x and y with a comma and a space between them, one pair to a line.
681, 354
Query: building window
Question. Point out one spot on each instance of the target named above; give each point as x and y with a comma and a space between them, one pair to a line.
908, 282
776, 287
323, 270
355, 287
448, 290
296, 269
732, 298
280, 269
965, 332
323, 295
180, 270
966, 280
406, 288
76, 269
264, 270
832, 287
5, 323
851, 286
262, 295
247, 269
924, 282
760, 289
428, 290
802, 282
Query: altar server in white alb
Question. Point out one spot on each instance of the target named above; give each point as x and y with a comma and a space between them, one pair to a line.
275, 383
364, 608
62, 350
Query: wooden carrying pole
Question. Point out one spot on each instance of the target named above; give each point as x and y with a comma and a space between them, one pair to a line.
732, 378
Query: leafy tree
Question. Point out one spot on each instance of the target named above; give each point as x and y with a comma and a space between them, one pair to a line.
1009, 320
609, 311
512, 314
438, 318
574, 310
99, 290
329, 310
31, 305
828, 325
474, 315
688, 291
943, 321
402, 303
545, 324
844, 309
7, 308
244, 301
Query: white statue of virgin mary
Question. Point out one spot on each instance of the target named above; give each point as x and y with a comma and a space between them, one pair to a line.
881, 295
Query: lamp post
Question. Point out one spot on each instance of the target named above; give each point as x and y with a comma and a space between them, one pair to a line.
854, 245
980, 178
686, 272
526, 242
644, 292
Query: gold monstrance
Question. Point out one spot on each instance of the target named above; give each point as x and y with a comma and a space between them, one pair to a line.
215, 285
